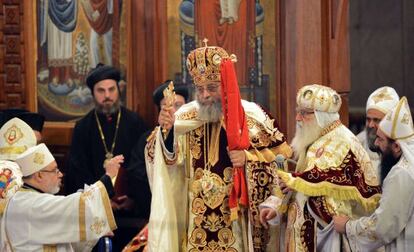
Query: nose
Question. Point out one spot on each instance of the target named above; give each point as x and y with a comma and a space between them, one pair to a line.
298, 117
205, 94
372, 124
107, 93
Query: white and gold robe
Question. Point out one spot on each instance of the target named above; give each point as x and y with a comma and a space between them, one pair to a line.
35, 221
392, 223
202, 212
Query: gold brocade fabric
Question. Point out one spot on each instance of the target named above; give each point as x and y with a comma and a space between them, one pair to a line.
209, 179
210, 228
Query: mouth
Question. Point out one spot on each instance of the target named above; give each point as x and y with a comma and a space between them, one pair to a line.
207, 103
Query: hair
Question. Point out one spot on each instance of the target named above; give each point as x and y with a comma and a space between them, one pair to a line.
28, 176
306, 133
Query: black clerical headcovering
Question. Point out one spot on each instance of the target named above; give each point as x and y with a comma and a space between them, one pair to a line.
158, 95
34, 120
102, 72
2, 119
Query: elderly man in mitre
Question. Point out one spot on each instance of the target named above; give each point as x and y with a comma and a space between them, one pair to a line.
37, 220
333, 175
206, 172
392, 223
379, 103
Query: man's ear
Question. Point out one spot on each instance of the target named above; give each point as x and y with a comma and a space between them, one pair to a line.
396, 149
38, 176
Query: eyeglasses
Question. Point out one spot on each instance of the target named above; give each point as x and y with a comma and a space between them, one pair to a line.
304, 112
211, 88
56, 171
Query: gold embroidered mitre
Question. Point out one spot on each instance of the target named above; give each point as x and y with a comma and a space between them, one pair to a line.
398, 123
16, 136
34, 159
318, 97
203, 63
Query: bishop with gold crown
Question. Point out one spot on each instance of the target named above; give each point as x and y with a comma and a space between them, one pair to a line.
333, 175
200, 166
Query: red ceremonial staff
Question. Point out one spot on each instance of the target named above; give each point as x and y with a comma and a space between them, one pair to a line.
237, 133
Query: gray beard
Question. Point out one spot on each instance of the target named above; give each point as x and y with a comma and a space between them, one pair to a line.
210, 113
108, 110
305, 135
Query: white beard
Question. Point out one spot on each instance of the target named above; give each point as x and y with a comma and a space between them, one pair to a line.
54, 190
210, 113
305, 135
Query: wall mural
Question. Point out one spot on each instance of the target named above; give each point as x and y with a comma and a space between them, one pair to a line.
74, 36
224, 23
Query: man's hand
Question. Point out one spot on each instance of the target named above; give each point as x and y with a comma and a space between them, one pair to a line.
340, 223
285, 189
110, 234
114, 206
166, 117
113, 165
125, 203
237, 157
265, 215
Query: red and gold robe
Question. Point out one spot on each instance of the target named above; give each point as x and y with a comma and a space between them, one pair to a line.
334, 177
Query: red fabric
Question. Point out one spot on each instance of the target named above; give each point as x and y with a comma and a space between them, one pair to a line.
236, 130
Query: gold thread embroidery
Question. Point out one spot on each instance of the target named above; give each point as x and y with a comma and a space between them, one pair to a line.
394, 121
189, 115
39, 158
98, 225
82, 218
383, 95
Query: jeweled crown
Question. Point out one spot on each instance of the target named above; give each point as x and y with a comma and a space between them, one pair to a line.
203, 63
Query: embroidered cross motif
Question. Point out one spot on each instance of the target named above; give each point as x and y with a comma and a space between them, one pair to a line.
405, 119
382, 96
39, 158
97, 225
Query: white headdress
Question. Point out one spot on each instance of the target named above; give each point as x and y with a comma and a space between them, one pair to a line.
325, 101
34, 159
398, 125
383, 99
16, 136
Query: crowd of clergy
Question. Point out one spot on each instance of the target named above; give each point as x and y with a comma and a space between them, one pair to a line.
216, 174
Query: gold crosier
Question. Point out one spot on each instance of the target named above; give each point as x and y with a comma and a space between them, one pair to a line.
108, 154
169, 96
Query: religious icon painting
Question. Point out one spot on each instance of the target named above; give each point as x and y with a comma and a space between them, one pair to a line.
73, 37
240, 27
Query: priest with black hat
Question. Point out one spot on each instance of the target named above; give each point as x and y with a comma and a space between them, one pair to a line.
108, 130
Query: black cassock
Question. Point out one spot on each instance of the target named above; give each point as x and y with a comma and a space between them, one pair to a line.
86, 158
